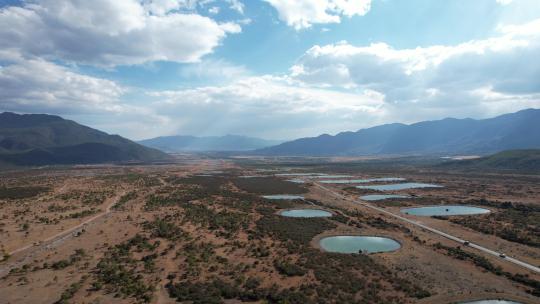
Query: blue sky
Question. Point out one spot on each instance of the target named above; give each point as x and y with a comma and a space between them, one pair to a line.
270, 68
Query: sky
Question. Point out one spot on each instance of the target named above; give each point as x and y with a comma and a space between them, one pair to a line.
276, 69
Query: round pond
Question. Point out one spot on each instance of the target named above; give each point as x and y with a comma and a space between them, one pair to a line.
305, 213
444, 210
355, 244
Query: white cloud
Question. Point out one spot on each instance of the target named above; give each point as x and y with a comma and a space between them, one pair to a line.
215, 71
267, 106
302, 14
108, 33
36, 85
236, 5
467, 79
504, 2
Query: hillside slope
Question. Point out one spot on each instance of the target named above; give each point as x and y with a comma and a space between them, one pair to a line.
39, 139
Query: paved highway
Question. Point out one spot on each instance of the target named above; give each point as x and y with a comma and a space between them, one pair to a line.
433, 230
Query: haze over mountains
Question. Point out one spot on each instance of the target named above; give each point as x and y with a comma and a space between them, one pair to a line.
211, 143
520, 130
518, 160
39, 139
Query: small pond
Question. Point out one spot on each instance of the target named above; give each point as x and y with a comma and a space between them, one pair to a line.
490, 302
354, 244
444, 210
296, 181
283, 197
403, 186
378, 197
298, 174
306, 213
332, 176
362, 181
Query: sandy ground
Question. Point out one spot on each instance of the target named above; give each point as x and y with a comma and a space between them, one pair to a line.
448, 279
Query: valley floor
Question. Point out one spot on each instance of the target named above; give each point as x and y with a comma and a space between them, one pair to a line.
199, 231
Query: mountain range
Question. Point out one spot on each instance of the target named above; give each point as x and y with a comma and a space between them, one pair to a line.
520, 130
211, 143
39, 139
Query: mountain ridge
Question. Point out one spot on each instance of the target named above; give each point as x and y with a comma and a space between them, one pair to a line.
445, 136
41, 139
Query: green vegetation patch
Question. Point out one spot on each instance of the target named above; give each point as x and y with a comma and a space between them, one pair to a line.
513, 222
21, 192
268, 185
118, 271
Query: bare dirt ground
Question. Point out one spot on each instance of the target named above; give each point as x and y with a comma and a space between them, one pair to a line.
133, 234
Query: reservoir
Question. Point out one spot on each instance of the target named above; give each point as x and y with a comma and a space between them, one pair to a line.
283, 197
403, 186
296, 180
490, 302
378, 197
355, 244
306, 213
332, 176
445, 210
363, 181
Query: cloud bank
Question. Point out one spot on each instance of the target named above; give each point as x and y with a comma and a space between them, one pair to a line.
110, 33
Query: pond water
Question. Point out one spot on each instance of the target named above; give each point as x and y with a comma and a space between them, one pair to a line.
283, 197
354, 244
298, 174
445, 210
490, 302
403, 186
378, 197
296, 180
332, 176
306, 213
363, 181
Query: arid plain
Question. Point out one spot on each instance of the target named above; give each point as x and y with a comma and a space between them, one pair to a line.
199, 231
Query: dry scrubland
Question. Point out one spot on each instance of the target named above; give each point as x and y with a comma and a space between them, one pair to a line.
161, 234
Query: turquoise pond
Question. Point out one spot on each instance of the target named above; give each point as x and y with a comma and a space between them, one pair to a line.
306, 213
393, 187
378, 197
354, 244
363, 181
298, 174
296, 181
283, 197
490, 302
332, 176
444, 210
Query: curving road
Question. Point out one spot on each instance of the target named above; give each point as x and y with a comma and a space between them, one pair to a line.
433, 230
